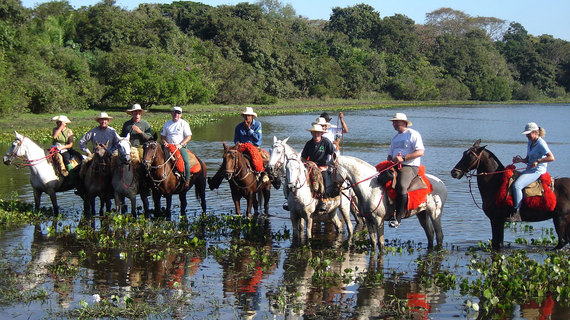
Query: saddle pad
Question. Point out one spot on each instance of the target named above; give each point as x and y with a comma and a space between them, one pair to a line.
415, 197
192, 160
254, 154
546, 202
315, 178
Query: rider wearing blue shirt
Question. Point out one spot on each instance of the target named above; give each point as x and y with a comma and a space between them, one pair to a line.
538, 154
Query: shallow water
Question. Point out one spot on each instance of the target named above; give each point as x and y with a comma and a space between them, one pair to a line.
242, 291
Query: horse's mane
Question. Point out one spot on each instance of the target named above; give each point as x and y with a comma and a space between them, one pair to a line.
135, 159
494, 157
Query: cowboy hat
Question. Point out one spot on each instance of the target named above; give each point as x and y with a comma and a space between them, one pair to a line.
401, 117
136, 107
317, 128
103, 115
321, 121
61, 118
249, 112
530, 127
326, 116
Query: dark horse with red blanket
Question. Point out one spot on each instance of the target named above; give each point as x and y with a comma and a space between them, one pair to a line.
161, 170
243, 182
492, 186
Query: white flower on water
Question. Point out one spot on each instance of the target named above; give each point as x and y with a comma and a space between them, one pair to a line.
96, 298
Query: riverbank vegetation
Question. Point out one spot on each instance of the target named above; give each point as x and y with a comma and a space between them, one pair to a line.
57, 59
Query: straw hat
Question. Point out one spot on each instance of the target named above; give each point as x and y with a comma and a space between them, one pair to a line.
249, 112
136, 107
61, 118
321, 121
317, 128
103, 115
530, 127
401, 117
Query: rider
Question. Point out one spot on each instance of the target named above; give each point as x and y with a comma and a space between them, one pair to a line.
537, 155
319, 151
177, 131
63, 141
406, 149
139, 129
247, 131
334, 133
102, 134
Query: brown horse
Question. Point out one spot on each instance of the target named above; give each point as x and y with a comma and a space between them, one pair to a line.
243, 183
486, 163
166, 182
97, 179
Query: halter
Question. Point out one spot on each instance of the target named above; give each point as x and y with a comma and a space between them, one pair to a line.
151, 167
295, 189
28, 162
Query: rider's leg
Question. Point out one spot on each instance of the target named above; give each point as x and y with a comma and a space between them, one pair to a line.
403, 180
186, 158
522, 181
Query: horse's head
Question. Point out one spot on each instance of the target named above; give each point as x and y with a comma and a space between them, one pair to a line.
278, 155
150, 151
232, 160
124, 149
295, 173
15, 150
101, 158
470, 160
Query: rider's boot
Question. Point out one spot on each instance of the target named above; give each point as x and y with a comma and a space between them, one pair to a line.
322, 206
401, 208
515, 216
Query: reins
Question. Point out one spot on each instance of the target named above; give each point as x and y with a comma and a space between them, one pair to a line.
164, 174
28, 162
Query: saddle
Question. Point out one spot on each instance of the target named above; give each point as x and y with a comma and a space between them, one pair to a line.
178, 162
258, 156
538, 195
59, 166
418, 189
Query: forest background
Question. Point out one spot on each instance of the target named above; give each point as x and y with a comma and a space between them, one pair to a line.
56, 59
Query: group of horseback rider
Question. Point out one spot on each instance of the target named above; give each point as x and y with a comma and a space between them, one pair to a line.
405, 152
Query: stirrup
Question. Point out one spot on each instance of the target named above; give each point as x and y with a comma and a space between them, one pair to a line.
394, 224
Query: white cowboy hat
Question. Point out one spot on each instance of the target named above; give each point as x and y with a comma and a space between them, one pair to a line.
249, 112
176, 108
317, 128
136, 107
103, 115
401, 117
321, 121
61, 118
530, 127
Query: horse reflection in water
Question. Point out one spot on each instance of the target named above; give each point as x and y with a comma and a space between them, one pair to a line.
97, 174
42, 174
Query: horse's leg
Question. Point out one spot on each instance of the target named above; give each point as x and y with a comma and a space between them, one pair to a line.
200, 190
333, 217
309, 221
156, 199
372, 234
426, 224
133, 198
498, 230
37, 199
144, 199
344, 209
296, 224
266, 196
168, 205
561, 221
53, 199
183, 203
380, 231
250, 200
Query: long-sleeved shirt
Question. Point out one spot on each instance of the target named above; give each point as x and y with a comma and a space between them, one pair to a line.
253, 135
98, 135
320, 153
137, 139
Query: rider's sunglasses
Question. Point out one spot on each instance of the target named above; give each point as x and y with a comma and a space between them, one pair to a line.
177, 112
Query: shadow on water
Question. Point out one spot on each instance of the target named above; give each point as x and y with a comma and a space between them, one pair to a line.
258, 273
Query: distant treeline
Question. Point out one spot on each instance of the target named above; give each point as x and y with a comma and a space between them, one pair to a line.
54, 58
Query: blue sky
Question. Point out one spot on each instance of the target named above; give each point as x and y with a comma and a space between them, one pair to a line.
538, 17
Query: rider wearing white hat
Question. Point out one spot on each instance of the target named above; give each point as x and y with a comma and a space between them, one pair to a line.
334, 133
406, 148
139, 128
63, 141
103, 134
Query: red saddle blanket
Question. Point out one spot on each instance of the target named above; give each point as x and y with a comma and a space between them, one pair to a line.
547, 202
254, 154
416, 197
180, 162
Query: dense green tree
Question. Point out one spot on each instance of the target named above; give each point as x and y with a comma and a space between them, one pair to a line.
357, 22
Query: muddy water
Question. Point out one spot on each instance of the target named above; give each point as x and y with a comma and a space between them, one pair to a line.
235, 287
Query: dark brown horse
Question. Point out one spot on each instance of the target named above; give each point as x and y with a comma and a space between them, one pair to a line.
97, 179
243, 182
166, 182
486, 163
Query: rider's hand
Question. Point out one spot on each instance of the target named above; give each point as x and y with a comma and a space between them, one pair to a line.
137, 129
517, 159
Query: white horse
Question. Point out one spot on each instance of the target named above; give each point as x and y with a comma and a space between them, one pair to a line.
374, 205
43, 177
303, 204
128, 177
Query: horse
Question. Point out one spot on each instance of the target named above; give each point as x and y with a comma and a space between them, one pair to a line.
129, 177
486, 163
280, 152
243, 183
371, 202
303, 204
166, 182
43, 177
96, 177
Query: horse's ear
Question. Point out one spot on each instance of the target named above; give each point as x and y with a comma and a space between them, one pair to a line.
18, 136
285, 140
476, 144
128, 137
274, 139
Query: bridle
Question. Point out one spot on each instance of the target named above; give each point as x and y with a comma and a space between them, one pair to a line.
150, 167
28, 162
103, 161
237, 168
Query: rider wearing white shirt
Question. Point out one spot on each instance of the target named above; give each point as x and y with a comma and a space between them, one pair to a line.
178, 133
